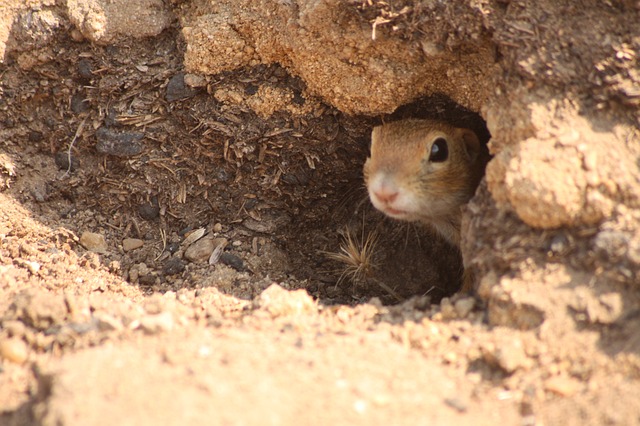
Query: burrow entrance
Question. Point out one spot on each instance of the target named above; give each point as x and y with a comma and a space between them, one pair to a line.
154, 159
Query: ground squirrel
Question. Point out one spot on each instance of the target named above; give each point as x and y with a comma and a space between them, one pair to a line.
425, 171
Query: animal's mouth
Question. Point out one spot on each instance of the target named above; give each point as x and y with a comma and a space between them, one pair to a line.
393, 212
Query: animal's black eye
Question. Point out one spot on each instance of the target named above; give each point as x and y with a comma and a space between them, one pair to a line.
439, 151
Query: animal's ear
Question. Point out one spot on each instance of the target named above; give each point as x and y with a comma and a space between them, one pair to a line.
375, 136
375, 133
471, 143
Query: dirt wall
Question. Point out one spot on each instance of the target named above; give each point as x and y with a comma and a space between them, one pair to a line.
129, 128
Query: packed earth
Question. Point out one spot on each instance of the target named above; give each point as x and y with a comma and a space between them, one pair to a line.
186, 238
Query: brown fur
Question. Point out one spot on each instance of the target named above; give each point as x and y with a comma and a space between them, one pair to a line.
400, 151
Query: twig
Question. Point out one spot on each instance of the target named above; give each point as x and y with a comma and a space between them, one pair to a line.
73, 141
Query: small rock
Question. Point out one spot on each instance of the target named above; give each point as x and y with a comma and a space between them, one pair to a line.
508, 355
200, 250
177, 89
280, 302
14, 350
173, 266
563, 386
129, 244
62, 161
457, 404
76, 35
464, 306
93, 242
138, 270
147, 280
217, 227
194, 80
120, 144
40, 191
233, 261
85, 69
173, 247
150, 211
447, 310
157, 323
32, 266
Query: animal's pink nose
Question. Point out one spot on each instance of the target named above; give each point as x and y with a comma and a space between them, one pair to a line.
385, 193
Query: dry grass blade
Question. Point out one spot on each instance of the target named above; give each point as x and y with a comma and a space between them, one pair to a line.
357, 257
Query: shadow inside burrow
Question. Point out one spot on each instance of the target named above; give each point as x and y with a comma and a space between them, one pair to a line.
371, 255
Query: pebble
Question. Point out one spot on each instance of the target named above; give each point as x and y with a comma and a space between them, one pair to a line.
40, 192
173, 266
120, 144
157, 323
93, 242
447, 311
464, 306
194, 80
147, 280
85, 69
233, 261
149, 211
138, 270
200, 250
14, 350
457, 404
129, 244
31, 265
563, 386
177, 89
510, 356
173, 247
76, 35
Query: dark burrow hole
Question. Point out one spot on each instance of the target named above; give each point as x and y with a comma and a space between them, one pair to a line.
349, 252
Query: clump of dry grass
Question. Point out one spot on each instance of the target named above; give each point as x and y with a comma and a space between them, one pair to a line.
357, 256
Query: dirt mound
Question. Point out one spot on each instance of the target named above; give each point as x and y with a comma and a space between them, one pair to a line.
174, 190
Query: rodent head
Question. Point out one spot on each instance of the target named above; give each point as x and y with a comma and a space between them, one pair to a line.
423, 170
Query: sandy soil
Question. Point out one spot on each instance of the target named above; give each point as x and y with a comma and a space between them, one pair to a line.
172, 188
